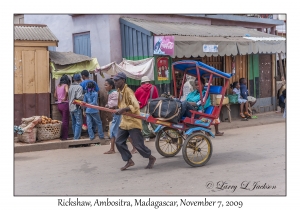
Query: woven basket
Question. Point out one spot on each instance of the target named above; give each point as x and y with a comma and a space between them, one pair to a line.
48, 131
28, 137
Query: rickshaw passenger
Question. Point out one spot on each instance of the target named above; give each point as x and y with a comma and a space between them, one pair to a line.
193, 102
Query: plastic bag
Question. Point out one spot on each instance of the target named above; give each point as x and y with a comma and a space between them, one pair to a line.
233, 98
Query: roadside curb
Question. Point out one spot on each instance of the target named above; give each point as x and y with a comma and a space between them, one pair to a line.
250, 125
56, 144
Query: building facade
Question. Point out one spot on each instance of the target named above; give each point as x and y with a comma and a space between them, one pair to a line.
102, 36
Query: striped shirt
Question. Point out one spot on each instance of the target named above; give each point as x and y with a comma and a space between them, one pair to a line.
75, 92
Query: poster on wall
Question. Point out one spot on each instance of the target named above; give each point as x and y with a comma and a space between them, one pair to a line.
163, 45
162, 68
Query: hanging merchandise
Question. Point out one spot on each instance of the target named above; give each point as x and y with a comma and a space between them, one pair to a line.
132, 69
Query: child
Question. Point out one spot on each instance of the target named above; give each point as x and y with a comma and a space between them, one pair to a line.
112, 103
91, 97
244, 92
243, 102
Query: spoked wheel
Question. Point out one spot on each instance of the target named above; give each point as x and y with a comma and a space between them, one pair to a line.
197, 149
168, 142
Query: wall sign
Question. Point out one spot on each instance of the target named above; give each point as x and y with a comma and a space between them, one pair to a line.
210, 48
163, 45
162, 68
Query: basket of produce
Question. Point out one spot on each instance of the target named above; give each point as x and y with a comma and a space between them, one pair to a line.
48, 129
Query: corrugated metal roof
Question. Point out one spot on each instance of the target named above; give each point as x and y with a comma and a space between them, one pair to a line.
192, 29
65, 58
240, 18
33, 32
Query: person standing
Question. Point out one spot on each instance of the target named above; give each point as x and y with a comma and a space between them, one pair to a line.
282, 99
129, 125
91, 97
76, 93
85, 76
112, 103
61, 94
143, 94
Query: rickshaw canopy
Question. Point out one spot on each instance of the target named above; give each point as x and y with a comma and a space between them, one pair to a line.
191, 67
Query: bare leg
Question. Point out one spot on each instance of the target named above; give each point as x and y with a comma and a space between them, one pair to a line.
246, 105
242, 107
112, 146
246, 110
218, 133
128, 164
152, 160
242, 110
133, 148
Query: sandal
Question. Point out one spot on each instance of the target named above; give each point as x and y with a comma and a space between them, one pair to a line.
247, 114
242, 115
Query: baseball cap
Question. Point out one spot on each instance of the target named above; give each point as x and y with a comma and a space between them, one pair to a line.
77, 77
119, 75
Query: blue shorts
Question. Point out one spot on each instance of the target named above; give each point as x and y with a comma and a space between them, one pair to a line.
114, 126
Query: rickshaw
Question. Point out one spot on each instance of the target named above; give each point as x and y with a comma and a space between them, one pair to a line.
191, 134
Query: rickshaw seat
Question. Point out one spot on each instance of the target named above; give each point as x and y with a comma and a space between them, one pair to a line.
214, 89
209, 110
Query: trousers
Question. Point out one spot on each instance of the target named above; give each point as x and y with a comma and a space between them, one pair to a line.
137, 141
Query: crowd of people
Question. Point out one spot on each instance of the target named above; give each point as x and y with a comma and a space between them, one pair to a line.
124, 128
120, 97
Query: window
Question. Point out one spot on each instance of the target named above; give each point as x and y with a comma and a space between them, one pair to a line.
82, 44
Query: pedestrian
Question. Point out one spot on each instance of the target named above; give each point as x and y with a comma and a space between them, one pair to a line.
61, 95
129, 125
112, 103
279, 94
243, 102
143, 94
76, 93
91, 97
85, 76
282, 99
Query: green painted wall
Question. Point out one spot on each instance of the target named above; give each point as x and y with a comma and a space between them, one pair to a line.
253, 74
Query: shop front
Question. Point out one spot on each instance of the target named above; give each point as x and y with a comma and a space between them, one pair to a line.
246, 52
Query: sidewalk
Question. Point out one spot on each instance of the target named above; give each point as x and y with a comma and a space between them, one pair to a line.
262, 119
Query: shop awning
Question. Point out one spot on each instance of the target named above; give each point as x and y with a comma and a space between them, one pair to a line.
231, 40
66, 58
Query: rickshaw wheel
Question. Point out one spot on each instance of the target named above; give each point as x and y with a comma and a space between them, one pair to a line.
168, 142
197, 149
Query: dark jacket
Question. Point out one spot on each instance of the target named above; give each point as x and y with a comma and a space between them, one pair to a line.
244, 91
